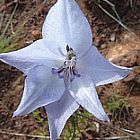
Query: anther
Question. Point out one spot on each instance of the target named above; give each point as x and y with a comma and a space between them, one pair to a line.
68, 70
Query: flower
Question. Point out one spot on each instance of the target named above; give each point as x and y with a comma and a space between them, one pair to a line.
63, 68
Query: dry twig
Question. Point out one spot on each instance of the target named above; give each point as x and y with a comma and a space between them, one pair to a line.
23, 135
7, 5
114, 138
136, 137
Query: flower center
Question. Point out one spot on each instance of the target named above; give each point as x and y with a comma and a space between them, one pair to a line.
68, 70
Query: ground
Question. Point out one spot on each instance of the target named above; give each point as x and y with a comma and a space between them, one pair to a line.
116, 44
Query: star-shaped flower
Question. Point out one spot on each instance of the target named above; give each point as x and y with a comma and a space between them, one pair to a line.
63, 68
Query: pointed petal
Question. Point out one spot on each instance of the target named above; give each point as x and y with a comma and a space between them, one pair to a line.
100, 69
59, 112
41, 88
66, 24
28, 57
84, 92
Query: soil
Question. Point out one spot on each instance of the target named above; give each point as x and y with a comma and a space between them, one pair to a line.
116, 44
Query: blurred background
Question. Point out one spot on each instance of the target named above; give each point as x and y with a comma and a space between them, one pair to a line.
116, 33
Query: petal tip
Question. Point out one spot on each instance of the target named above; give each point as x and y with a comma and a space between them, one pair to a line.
14, 115
107, 119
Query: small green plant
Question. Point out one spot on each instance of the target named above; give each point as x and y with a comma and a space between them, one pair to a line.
42, 122
37, 117
72, 129
78, 125
118, 106
8, 43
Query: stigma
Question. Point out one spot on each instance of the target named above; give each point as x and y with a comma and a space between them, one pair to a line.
68, 70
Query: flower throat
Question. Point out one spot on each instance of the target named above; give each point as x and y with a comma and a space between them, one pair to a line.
68, 70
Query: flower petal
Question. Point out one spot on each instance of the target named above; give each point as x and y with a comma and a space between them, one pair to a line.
28, 57
100, 69
59, 112
41, 88
84, 92
66, 24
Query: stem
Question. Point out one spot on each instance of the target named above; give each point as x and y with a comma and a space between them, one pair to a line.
74, 127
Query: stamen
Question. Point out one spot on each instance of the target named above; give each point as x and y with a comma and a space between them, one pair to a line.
68, 70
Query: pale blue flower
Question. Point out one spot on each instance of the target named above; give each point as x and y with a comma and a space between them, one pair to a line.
63, 68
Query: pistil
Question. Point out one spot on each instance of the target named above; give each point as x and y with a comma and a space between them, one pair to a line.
68, 70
